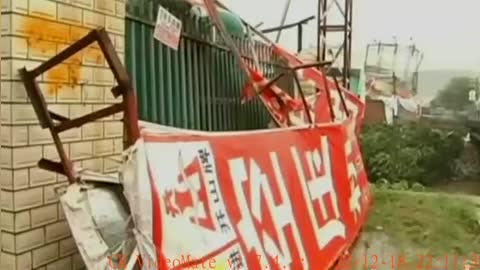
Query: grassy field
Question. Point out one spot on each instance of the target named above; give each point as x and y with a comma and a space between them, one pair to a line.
427, 223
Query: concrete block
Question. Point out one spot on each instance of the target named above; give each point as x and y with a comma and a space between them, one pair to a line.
45, 255
22, 221
79, 110
28, 198
38, 135
69, 94
103, 147
26, 156
42, 50
78, 262
69, 14
118, 146
8, 242
29, 240
113, 129
7, 222
93, 164
15, 222
22, 114
14, 179
6, 27
71, 135
13, 91
62, 264
40, 177
57, 231
58, 74
111, 164
106, 6
68, 246
49, 194
93, 94
77, 33
6, 158
43, 8
81, 150
44, 215
7, 260
120, 43
83, 3
16, 262
94, 57
93, 19
103, 76
20, 6
120, 9
92, 130
6, 72
50, 152
115, 25
19, 46
14, 135
6, 199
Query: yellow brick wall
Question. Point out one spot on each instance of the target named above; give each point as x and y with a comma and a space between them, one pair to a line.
35, 234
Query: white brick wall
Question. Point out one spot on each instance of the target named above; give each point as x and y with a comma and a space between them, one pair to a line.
35, 234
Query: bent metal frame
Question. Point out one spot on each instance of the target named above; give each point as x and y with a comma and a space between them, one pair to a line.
58, 123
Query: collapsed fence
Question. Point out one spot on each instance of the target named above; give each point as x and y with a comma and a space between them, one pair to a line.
198, 86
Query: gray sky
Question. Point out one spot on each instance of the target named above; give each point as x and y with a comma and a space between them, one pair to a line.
447, 31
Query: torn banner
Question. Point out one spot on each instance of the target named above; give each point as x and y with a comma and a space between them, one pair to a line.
244, 201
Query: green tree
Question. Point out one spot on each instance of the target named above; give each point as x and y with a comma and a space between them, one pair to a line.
455, 94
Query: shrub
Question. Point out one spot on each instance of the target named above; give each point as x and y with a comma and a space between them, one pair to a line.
410, 152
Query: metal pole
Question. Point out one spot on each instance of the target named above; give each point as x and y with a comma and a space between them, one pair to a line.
324, 31
350, 40
284, 18
300, 37
345, 44
365, 61
319, 30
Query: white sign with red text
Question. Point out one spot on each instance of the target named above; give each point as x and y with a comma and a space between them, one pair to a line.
168, 28
278, 199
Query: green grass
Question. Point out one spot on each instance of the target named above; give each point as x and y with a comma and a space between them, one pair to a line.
436, 223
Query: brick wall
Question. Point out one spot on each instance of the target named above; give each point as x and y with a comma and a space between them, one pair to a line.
35, 234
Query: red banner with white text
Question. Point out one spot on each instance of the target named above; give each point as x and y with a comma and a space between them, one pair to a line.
271, 199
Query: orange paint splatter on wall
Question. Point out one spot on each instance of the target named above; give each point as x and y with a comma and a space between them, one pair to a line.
59, 35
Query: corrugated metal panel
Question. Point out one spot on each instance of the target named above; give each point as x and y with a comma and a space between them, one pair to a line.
196, 87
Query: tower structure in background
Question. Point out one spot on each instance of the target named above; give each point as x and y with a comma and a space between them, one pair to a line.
393, 66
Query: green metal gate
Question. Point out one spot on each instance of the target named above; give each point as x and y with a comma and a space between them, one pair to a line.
196, 87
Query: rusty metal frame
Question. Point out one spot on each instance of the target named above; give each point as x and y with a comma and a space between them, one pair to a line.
293, 72
299, 24
58, 123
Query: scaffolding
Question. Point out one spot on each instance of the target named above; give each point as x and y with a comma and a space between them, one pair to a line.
393, 63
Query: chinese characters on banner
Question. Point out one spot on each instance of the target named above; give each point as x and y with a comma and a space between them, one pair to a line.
286, 199
167, 28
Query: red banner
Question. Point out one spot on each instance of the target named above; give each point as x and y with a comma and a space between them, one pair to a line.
321, 108
272, 199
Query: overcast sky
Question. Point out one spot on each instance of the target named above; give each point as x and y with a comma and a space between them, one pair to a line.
447, 31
